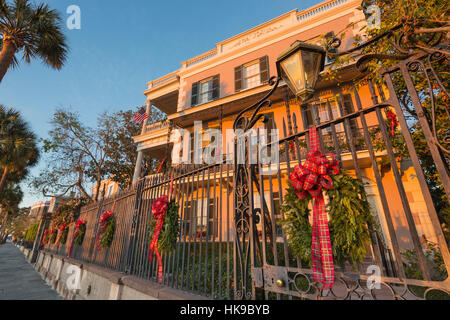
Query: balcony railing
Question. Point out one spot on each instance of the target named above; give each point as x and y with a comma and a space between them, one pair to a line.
329, 144
156, 126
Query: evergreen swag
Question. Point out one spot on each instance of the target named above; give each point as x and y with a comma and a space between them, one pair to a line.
78, 240
170, 230
349, 213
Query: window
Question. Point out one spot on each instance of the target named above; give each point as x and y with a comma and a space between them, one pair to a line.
324, 116
251, 77
251, 74
205, 91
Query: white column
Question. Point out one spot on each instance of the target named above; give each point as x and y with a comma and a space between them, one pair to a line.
149, 106
137, 170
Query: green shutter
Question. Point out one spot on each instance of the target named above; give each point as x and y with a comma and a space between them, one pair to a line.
194, 94
264, 68
216, 87
238, 78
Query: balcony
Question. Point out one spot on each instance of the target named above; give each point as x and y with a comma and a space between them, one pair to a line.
163, 92
154, 138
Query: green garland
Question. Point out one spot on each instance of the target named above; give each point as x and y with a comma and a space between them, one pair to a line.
80, 236
171, 228
350, 216
108, 236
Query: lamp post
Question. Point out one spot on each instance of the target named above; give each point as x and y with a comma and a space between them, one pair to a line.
299, 66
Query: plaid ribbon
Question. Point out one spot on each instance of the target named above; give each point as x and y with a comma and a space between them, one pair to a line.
310, 179
159, 209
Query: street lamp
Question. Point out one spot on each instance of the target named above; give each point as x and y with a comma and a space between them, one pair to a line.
300, 66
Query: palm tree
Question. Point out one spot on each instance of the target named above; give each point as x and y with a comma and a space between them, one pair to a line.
18, 147
32, 29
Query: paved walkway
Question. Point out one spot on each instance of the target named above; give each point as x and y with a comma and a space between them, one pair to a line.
19, 280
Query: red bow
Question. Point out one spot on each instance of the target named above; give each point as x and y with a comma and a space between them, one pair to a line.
159, 209
77, 230
394, 122
310, 179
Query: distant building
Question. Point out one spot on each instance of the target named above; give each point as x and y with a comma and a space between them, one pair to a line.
39, 209
110, 187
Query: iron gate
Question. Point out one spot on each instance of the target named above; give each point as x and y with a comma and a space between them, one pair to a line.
264, 266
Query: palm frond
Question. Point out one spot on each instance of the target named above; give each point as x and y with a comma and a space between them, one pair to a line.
38, 31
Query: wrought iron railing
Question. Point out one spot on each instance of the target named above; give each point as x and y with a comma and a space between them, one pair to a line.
231, 247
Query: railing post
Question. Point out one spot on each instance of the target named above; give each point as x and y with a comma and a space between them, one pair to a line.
134, 227
45, 223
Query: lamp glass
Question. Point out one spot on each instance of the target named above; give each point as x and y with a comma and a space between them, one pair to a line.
311, 62
292, 67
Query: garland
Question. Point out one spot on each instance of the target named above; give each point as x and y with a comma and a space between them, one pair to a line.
78, 235
346, 236
53, 235
45, 238
164, 230
105, 234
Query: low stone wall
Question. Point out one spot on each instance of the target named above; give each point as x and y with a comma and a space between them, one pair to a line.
97, 283
26, 252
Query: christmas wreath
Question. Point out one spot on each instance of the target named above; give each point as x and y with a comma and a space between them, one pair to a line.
53, 235
164, 230
346, 237
105, 234
80, 231
78, 235
45, 238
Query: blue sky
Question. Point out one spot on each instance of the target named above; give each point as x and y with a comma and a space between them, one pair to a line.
121, 46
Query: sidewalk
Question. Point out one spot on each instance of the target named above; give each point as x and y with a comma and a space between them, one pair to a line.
18, 279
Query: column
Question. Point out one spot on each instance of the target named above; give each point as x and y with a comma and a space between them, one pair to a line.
138, 168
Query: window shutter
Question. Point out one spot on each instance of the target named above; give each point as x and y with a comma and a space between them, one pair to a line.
216, 87
264, 68
238, 78
194, 94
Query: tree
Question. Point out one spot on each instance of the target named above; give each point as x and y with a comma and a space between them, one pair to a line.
34, 30
411, 26
9, 202
79, 155
121, 149
19, 222
76, 157
18, 147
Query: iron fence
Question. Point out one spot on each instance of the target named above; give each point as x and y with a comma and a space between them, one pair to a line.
231, 243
